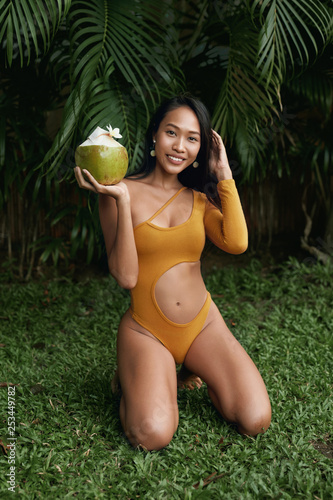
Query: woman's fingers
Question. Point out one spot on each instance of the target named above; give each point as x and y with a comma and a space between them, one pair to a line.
82, 182
218, 161
218, 142
219, 150
87, 181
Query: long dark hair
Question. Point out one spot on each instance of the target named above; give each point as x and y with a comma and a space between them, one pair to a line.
196, 178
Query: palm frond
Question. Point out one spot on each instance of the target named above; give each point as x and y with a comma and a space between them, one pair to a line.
28, 25
111, 42
316, 83
105, 32
242, 101
292, 32
192, 20
108, 105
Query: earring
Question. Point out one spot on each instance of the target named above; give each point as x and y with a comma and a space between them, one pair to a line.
195, 164
152, 152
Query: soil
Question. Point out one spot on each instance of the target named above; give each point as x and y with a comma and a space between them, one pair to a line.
326, 447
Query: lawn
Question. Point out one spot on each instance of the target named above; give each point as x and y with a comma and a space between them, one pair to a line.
58, 354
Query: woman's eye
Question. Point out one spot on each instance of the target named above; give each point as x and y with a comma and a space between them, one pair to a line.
172, 133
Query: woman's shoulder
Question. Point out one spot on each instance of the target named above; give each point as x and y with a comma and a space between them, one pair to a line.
134, 182
200, 196
139, 187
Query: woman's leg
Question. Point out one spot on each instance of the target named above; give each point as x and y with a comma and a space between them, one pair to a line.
234, 383
147, 374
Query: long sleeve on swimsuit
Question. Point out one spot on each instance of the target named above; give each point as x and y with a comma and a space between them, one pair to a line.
227, 230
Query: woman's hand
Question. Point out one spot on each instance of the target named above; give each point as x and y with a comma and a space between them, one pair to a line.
218, 160
87, 181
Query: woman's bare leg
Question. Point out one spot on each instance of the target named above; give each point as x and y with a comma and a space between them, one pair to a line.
234, 383
147, 374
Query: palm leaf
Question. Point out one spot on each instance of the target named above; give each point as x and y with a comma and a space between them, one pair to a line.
106, 31
316, 83
107, 106
291, 31
28, 24
243, 105
192, 22
226, 49
109, 43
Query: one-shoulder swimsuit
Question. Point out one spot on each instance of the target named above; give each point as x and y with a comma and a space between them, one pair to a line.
161, 248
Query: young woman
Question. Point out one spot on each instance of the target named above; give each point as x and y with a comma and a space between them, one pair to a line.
154, 224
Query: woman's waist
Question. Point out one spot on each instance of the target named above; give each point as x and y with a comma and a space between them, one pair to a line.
184, 271
177, 293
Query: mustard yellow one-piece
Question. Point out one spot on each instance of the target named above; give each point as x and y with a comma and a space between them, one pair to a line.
161, 248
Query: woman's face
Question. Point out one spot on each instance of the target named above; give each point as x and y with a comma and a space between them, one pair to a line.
177, 140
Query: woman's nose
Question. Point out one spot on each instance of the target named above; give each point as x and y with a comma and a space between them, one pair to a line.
179, 144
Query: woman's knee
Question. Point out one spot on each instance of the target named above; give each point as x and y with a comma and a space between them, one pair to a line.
151, 428
256, 421
150, 434
251, 419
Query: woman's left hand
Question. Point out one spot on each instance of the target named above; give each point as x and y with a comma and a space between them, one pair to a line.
218, 160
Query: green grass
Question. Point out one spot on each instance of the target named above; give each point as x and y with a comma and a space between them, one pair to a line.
60, 348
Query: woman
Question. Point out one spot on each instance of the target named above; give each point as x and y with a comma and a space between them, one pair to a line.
154, 224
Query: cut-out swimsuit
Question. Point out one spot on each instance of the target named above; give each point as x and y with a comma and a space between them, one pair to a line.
161, 248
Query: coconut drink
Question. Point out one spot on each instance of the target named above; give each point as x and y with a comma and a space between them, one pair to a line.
104, 157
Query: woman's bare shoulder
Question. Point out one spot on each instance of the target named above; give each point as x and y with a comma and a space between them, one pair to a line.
135, 183
140, 190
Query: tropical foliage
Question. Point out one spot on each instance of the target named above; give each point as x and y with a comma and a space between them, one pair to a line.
255, 64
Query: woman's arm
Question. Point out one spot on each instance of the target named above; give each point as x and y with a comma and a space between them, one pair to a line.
227, 230
117, 227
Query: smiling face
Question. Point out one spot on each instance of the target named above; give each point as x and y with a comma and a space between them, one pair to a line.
177, 140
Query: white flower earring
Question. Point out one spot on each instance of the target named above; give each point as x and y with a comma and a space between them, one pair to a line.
152, 152
195, 164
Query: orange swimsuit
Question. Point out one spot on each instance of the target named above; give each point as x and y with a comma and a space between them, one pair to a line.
161, 248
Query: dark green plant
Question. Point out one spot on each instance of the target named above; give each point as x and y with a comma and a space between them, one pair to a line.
27, 94
112, 62
239, 55
109, 63
119, 62
265, 69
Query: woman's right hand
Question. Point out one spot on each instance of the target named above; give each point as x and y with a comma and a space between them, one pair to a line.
86, 181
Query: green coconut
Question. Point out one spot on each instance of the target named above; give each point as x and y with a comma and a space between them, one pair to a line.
103, 156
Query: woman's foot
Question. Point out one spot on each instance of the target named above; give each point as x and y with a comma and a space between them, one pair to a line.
187, 379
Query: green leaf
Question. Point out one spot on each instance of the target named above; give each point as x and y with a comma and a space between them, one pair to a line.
290, 29
113, 43
24, 21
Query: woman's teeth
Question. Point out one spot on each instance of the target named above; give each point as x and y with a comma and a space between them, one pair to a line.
175, 159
